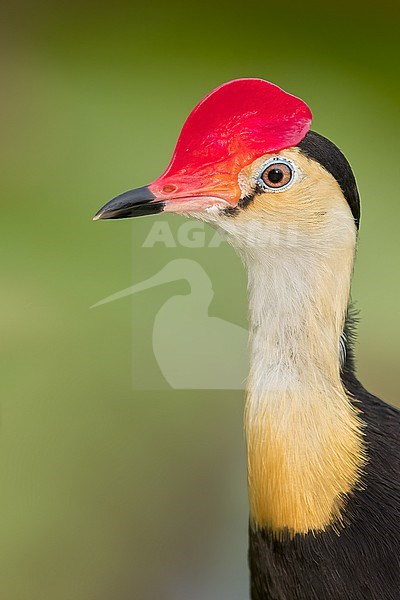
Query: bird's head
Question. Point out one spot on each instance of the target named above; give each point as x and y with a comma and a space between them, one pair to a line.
247, 162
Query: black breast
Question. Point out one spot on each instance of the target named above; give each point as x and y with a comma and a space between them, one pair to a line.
363, 561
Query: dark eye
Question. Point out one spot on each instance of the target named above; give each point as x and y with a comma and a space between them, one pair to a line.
277, 174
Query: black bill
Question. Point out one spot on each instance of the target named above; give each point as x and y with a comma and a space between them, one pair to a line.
135, 203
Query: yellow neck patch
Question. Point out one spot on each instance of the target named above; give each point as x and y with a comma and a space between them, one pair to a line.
304, 458
304, 437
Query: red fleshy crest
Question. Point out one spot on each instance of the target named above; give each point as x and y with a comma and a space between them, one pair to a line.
232, 126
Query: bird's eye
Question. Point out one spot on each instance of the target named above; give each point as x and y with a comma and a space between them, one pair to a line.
277, 174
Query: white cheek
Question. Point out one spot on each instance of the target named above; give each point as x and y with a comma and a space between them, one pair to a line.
210, 214
246, 185
214, 211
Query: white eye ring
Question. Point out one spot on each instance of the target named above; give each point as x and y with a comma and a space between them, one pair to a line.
277, 160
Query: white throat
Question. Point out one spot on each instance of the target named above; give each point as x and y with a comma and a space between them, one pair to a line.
297, 308
303, 435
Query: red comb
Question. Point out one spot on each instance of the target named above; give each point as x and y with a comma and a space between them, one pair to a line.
231, 127
245, 118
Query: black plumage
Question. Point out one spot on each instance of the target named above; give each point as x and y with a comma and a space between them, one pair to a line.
362, 560
357, 559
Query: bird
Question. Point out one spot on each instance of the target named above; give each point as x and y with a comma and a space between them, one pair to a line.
323, 454
185, 319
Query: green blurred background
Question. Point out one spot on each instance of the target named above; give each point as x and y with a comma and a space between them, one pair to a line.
107, 491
